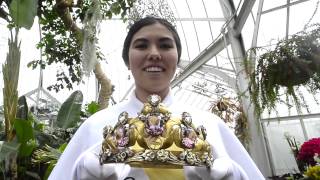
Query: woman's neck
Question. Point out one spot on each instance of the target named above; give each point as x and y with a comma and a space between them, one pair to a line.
142, 95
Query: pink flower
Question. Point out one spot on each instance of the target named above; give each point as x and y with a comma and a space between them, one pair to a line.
188, 143
308, 151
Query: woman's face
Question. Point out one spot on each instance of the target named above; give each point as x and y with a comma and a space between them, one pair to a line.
153, 60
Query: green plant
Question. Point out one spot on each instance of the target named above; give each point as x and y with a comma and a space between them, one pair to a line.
21, 131
313, 173
23, 12
69, 113
64, 27
67, 123
8, 151
18, 132
61, 33
62, 39
294, 146
292, 64
49, 156
17, 152
90, 109
11, 70
36, 147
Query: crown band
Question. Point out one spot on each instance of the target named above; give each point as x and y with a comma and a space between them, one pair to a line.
154, 138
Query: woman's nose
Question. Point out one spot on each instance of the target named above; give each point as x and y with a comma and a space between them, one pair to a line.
154, 53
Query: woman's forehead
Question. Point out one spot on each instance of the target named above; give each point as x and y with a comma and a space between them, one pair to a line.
156, 30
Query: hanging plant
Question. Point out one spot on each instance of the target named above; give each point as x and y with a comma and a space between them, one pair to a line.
293, 63
231, 112
225, 108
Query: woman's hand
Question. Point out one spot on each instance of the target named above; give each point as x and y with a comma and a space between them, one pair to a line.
222, 168
88, 167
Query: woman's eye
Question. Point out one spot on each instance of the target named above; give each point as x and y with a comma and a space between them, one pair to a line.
141, 46
166, 46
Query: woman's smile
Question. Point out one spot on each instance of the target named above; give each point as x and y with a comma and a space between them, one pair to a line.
153, 69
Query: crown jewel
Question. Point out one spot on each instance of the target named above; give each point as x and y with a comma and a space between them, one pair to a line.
154, 138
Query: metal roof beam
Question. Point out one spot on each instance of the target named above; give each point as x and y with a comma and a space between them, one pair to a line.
257, 145
283, 6
212, 50
201, 19
243, 15
206, 69
290, 118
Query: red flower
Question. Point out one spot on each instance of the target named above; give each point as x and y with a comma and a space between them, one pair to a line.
308, 150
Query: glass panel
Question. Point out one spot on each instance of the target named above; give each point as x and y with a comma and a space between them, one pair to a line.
297, 22
111, 37
213, 8
272, 4
225, 57
191, 38
216, 28
197, 9
190, 91
247, 32
272, 27
283, 110
282, 157
29, 52
204, 34
313, 127
183, 37
180, 7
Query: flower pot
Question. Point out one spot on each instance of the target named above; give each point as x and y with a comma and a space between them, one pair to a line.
289, 72
222, 106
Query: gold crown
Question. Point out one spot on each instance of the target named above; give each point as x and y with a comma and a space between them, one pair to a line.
155, 139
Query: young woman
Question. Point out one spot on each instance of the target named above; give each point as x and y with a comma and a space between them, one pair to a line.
152, 51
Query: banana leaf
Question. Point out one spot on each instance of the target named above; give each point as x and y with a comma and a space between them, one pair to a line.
23, 12
69, 113
22, 111
25, 135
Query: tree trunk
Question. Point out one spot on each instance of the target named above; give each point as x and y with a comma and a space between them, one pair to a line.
62, 7
105, 88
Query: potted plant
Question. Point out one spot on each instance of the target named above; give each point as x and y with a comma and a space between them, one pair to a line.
309, 156
231, 112
293, 63
308, 151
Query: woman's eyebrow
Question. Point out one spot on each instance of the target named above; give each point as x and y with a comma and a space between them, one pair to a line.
140, 40
166, 39
144, 40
